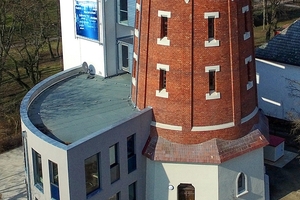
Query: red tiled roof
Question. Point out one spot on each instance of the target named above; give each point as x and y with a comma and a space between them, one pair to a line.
214, 151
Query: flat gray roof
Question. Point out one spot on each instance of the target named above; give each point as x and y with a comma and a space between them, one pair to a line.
78, 106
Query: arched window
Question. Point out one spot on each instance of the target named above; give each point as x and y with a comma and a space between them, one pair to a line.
186, 191
241, 184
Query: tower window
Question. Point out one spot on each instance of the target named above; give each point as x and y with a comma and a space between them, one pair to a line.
212, 80
241, 184
162, 88
211, 27
163, 79
245, 11
211, 23
249, 76
164, 27
212, 70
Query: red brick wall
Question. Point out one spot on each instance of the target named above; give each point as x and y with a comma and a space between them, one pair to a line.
187, 81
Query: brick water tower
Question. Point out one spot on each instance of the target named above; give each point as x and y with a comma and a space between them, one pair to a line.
194, 65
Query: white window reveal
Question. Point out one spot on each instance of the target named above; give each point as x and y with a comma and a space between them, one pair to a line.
212, 71
241, 185
164, 22
211, 34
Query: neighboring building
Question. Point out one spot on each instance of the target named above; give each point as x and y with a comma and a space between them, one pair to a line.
278, 69
189, 129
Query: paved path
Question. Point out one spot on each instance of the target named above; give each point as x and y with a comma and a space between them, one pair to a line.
12, 185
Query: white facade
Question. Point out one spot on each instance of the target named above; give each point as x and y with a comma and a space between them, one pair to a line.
275, 89
209, 181
103, 53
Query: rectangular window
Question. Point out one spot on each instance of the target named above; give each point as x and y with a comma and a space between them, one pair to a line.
163, 79
115, 197
124, 56
248, 72
132, 191
246, 21
211, 27
212, 86
164, 27
53, 170
38, 171
114, 163
92, 182
131, 153
123, 12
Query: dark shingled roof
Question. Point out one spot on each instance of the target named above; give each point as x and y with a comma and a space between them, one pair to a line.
284, 47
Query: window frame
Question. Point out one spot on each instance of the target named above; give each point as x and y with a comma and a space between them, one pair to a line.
164, 26
114, 164
211, 29
245, 11
241, 184
132, 186
131, 155
94, 175
123, 10
38, 170
162, 82
212, 84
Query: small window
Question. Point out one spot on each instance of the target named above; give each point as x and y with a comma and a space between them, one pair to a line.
241, 184
164, 27
131, 153
115, 197
211, 27
162, 79
246, 21
248, 72
123, 12
212, 84
212, 87
114, 163
38, 171
186, 192
53, 170
92, 173
132, 191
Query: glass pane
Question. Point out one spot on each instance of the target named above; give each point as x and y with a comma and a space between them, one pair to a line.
112, 155
132, 195
91, 174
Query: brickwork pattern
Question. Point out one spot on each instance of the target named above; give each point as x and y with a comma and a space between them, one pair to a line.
187, 81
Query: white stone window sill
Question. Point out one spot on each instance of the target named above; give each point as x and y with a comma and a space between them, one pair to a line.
133, 80
213, 95
162, 93
136, 33
242, 193
249, 85
163, 41
212, 42
246, 35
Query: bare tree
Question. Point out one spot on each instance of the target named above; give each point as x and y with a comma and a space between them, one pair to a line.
273, 9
